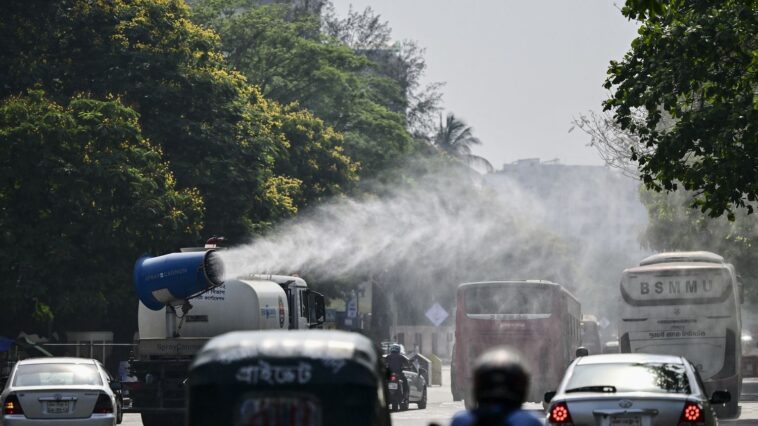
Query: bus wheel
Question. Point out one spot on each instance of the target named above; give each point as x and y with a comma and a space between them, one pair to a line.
729, 411
732, 407
162, 419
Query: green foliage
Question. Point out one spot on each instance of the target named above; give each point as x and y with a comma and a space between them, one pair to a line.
208, 121
221, 156
314, 156
693, 74
85, 194
455, 138
285, 54
641, 9
675, 226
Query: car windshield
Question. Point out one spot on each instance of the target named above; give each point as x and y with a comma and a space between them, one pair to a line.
56, 375
631, 377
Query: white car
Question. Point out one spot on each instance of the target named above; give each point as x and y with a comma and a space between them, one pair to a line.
632, 390
66, 390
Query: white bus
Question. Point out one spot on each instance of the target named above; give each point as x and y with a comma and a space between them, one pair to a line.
688, 304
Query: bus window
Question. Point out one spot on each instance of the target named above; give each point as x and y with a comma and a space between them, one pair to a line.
507, 300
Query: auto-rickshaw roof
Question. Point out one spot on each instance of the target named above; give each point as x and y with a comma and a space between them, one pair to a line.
269, 344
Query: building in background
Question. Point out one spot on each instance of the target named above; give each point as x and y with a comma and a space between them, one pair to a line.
596, 209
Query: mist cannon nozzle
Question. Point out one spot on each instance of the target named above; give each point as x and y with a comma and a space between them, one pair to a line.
174, 278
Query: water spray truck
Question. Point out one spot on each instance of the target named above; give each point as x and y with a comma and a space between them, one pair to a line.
185, 300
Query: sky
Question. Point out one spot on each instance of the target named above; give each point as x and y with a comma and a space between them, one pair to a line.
516, 71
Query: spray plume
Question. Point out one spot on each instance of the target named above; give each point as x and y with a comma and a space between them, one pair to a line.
439, 230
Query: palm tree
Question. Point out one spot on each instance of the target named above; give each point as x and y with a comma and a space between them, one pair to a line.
455, 138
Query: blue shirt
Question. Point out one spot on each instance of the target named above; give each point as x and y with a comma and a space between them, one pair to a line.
514, 418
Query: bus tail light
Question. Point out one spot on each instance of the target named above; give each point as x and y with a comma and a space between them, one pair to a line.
559, 415
12, 406
692, 415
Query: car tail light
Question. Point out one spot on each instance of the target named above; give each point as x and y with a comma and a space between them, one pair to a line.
12, 406
559, 415
103, 404
692, 414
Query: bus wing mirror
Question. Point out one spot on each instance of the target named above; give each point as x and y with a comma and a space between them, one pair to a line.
549, 396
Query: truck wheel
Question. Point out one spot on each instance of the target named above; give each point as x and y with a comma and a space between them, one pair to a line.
730, 410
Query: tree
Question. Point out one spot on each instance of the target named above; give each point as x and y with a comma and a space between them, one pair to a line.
210, 123
85, 194
314, 156
402, 61
613, 144
675, 226
358, 30
692, 78
455, 138
352, 91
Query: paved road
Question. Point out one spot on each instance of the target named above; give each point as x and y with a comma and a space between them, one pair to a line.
441, 408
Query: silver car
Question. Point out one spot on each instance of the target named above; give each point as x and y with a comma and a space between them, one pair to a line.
60, 390
632, 390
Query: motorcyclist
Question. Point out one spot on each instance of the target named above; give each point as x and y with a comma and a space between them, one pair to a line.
395, 362
500, 387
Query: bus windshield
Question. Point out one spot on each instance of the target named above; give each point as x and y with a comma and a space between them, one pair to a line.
508, 299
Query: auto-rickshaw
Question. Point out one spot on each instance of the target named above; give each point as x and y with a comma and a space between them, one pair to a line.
292, 378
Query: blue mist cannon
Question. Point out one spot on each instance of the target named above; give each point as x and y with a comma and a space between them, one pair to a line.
173, 278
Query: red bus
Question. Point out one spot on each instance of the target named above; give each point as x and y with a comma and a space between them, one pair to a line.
540, 319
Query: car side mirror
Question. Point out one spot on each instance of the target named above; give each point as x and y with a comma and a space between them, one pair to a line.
549, 396
721, 397
115, 386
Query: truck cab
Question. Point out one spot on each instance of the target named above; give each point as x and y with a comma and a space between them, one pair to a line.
306, 306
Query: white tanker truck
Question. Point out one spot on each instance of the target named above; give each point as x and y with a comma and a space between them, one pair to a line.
184, 302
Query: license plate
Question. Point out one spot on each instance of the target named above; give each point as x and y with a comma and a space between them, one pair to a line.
392, 386
57, 407
626, 421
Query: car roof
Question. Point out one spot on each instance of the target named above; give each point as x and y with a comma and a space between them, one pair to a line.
511, 282
629, 358
57, 360
683, 256
315, 344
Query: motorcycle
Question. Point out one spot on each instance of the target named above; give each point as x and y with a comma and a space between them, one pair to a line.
396, 392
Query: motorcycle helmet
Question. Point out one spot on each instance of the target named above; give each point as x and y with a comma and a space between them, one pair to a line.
395, 349
500, 377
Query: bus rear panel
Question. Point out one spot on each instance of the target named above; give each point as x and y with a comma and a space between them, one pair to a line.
538, 319
686, 308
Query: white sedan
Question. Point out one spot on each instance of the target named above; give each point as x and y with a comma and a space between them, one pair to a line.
60, 390
632, 390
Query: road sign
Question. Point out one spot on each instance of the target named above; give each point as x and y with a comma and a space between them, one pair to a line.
437, 314
352, 308
604, 323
